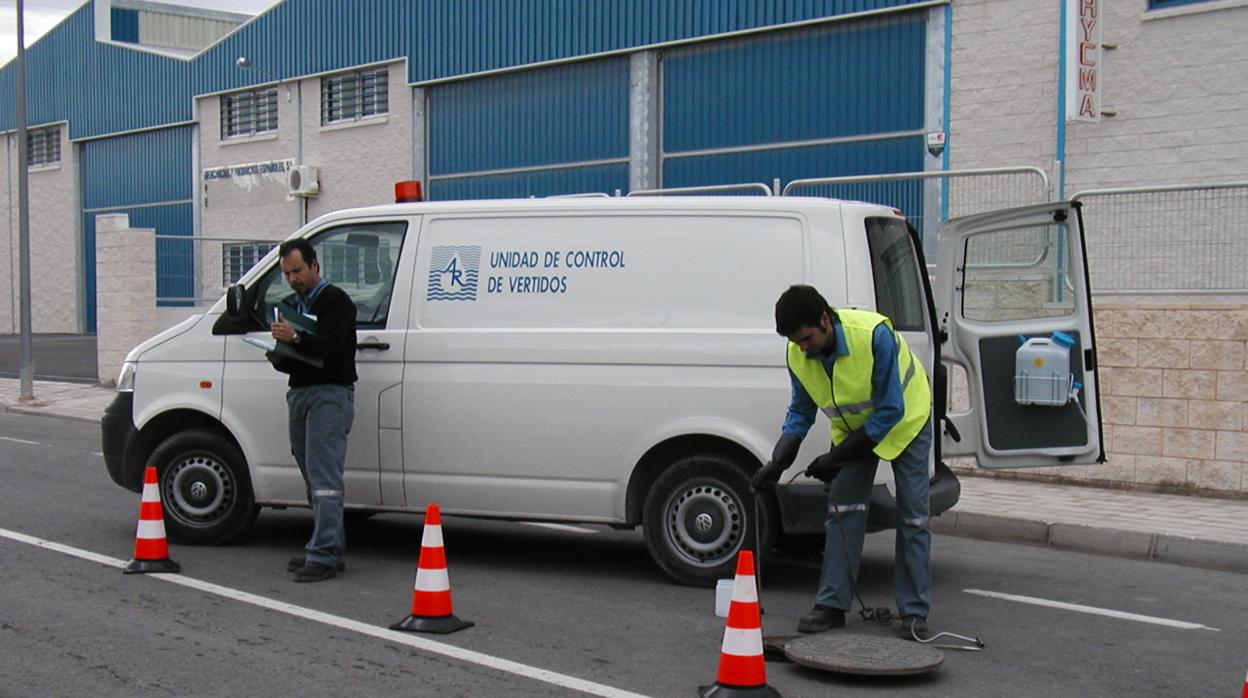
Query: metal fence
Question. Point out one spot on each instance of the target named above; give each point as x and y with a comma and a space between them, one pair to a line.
193, 271
928, 199
1172, 240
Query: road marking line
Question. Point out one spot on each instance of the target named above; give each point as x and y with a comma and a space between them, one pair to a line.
420, 643
1184, 625
20, 441
559, 527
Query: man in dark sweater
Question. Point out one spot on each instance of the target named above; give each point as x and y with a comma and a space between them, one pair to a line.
320, 402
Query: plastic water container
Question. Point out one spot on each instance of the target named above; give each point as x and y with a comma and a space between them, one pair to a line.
723, 597
1042, 371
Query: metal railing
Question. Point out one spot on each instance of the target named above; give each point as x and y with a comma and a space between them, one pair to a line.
195, 271
928, 199
745, 187
1187, 239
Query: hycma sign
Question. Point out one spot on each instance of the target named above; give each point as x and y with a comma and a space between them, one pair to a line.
1083, 60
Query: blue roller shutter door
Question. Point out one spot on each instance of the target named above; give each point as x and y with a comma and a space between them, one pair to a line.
557, 130
844, 99
148, 176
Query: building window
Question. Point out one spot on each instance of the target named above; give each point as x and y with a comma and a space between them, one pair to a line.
1163, 4
354, 96
237, 258
248, 113
43, 146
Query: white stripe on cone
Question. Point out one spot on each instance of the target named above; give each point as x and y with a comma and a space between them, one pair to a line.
742, 642
151, 529
744, 590
432, 580
432, 537
151, 492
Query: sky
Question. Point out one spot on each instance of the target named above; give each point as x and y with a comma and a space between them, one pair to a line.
42, 15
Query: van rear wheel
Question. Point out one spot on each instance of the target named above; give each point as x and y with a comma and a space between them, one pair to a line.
205, 488
698, 514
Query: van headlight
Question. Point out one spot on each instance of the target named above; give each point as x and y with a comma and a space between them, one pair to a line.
125, 379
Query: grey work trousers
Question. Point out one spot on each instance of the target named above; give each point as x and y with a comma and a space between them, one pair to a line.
846, 524
320, 420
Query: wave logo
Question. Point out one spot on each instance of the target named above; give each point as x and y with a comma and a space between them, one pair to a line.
453, 272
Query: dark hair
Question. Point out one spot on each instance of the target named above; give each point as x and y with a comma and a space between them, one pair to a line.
305, 249
800, 306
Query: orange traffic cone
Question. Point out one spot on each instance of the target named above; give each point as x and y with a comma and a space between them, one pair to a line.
1245, 686
151, 550
741, 670
431, 599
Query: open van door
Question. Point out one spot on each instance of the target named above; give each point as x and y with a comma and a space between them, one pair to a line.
1014, 302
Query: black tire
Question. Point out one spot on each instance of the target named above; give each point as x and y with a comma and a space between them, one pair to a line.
698, 514
205, 488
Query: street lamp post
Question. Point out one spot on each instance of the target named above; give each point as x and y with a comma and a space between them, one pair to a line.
26, 363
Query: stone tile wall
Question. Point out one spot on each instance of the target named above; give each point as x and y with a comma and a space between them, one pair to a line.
1174, 399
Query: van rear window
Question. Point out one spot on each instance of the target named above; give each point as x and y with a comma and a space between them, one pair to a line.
895, 268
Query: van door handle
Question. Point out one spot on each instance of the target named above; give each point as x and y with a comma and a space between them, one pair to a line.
373, 344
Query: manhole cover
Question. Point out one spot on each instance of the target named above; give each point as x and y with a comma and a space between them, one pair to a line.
863, 654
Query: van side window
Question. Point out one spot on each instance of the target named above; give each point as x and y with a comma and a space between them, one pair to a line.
360, 258
898, 286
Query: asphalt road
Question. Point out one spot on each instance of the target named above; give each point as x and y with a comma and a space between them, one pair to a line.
57, 357
585, 603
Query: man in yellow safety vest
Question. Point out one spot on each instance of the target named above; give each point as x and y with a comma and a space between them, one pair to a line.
858, 370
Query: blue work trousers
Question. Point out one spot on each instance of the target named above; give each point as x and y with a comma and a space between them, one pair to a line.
320, 420
846, 524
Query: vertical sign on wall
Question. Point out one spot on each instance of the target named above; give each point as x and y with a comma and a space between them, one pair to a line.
1083, 60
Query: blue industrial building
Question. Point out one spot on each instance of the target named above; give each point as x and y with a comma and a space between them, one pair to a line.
520, 98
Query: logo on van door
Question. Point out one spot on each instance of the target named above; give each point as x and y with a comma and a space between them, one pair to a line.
453, 271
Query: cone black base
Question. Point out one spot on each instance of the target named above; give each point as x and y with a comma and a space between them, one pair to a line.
441, 625
152, 566
718, 690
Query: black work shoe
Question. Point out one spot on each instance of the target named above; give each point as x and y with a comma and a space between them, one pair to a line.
294, 563
315, 572
913, 628
821, 618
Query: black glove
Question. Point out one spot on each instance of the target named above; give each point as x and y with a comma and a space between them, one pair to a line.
824, 468
782, 456
853, 448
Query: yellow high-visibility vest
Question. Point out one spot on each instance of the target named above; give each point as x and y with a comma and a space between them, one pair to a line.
846, 397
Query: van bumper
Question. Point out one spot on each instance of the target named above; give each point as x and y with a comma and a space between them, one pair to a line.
803, 507
117, 433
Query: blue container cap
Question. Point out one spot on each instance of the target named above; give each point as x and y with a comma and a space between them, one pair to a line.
1064, 339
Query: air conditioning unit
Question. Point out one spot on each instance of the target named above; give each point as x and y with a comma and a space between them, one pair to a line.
303, 180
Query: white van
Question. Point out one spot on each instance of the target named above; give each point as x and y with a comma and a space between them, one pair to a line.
606, 360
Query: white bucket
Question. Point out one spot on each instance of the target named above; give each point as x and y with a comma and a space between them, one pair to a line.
723, 597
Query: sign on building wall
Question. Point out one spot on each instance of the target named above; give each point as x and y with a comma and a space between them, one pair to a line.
1083, 60
248, 176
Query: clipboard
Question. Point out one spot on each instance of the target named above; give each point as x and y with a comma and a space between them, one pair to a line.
283, 350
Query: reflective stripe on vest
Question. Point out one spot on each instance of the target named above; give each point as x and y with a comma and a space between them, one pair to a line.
846, 396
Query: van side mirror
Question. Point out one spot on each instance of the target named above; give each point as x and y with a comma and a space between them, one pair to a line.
235, 297
237, 318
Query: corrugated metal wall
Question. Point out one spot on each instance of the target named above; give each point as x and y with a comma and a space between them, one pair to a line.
155, 190
734, 111
575, 114
114, 89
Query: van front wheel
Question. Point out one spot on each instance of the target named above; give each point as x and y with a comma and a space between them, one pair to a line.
698, 514
204, 487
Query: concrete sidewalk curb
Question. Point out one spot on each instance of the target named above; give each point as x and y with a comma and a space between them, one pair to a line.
1140, 545
37, 412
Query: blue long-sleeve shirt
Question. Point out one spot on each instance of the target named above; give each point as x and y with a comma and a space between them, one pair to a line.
886, 395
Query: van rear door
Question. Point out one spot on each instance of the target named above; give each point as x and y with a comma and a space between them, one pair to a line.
1014, 299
